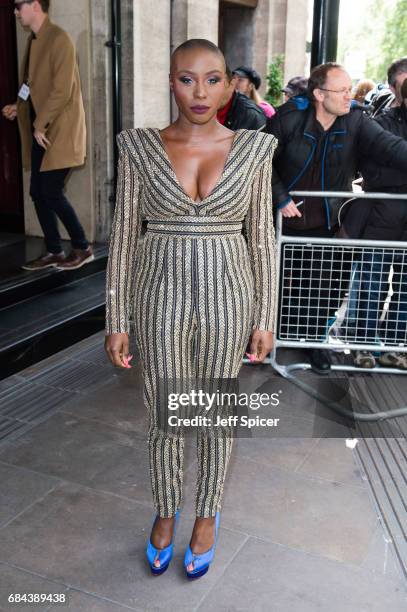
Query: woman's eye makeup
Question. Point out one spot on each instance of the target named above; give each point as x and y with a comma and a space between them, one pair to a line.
185, 79
188, 80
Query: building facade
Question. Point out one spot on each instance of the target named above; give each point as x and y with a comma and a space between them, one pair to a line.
249, 32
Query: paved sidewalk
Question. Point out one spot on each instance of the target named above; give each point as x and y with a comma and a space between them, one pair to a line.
299, 531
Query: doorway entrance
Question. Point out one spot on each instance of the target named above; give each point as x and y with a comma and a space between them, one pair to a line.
11, 190
236, 31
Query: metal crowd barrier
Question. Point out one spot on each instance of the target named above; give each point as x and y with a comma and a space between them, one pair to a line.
340, 294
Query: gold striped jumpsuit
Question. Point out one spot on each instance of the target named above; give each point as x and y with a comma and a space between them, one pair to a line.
193, 285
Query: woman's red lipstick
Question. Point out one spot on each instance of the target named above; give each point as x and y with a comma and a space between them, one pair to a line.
200, 110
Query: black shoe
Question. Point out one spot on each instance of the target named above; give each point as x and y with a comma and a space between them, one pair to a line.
320, 361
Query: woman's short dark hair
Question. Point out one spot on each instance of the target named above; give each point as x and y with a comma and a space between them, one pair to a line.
395, 69
197, 43
319, 75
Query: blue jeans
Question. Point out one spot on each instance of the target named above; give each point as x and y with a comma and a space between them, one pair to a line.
375, 268
47, 193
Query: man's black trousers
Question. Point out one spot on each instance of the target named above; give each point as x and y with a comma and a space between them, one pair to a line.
47, 193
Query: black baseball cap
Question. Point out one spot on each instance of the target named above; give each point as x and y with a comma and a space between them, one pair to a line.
249, 73
297, 86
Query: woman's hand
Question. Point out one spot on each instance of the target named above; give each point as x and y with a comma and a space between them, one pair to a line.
261, 343
117, 348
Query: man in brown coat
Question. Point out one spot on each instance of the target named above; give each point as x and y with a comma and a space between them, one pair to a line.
51, 120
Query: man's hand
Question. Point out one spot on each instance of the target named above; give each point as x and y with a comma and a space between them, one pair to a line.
117, 348
41, 139
290, 210
10, 111
261, 343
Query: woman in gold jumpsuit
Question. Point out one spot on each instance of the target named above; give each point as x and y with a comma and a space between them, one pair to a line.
198, 284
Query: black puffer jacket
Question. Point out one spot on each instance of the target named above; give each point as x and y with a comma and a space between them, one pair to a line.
351, 137
378, 176
382, 219
244, 114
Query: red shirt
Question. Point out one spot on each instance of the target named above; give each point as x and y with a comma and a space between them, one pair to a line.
223, 112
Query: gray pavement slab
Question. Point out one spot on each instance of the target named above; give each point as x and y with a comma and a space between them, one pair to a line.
10, 428
81, 602
284, 453
86, 452
333, 520
119, 404
19, 489
380, 557
95, 542
14, 581
330, 459
278, 578
299, 528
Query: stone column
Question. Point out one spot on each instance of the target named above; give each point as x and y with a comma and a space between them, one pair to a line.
261, 57
102, 116
194, 19
296, 39
288, 34
101, 119
151, 40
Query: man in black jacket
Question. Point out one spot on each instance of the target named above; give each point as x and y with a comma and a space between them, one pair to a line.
237, 111
386, 220
321, 139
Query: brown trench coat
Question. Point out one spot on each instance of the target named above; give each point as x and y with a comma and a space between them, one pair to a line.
56, 96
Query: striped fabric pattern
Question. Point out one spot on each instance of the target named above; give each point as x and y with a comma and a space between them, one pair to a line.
192, 288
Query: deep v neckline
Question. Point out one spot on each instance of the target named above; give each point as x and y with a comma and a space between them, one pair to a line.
179, 185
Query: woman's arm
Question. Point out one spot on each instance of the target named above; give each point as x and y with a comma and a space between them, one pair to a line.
122, 253
261, 246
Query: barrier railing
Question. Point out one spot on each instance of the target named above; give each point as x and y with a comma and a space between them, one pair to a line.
341, 294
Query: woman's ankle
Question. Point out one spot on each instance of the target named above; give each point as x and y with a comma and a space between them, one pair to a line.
162, 531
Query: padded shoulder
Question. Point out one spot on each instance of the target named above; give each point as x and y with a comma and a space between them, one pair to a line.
265, 144
259, 146
130, 141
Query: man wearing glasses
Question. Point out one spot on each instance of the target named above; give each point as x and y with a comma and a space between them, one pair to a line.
51, 120
321, 140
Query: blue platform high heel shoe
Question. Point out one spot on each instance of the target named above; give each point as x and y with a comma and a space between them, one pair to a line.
201, 562
164, 555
